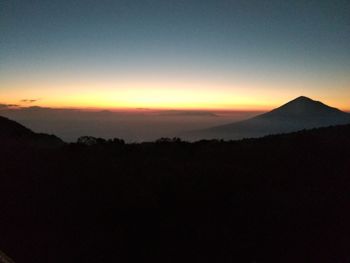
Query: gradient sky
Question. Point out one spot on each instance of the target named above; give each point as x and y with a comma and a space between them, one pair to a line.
246, 54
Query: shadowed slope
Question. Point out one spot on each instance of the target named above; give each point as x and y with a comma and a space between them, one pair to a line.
11, 128
15, 134
4, 258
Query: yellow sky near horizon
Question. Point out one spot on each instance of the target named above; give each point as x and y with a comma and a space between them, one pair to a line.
162, 94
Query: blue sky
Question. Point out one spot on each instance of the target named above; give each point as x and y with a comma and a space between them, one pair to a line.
253, 53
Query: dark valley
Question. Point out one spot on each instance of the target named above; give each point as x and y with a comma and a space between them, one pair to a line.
281, 198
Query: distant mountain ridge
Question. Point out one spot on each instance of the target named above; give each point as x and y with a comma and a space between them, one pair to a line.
15, 134
298, 114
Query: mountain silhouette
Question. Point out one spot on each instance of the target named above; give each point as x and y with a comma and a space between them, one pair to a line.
298, 114
281, 198
14, 134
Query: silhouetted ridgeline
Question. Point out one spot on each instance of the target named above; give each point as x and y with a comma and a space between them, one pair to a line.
277, 199
14, 135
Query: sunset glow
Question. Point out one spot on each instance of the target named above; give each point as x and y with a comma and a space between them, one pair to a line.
173, 55
239, 95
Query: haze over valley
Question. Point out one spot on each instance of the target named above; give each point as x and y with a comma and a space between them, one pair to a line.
140, 125
133, 126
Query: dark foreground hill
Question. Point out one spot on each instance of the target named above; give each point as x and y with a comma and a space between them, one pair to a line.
13, 134
276, 199
298, 114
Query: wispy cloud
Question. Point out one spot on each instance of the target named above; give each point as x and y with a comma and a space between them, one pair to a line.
29, 100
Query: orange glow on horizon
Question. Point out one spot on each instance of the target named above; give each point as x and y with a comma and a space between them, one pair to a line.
180, 95
148, 104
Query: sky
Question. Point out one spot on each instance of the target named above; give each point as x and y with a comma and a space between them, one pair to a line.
183, 54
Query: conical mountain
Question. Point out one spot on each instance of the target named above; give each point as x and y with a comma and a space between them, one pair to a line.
298, 114
304, 107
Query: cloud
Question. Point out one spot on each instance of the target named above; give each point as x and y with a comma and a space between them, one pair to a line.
6, 106
29, 100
